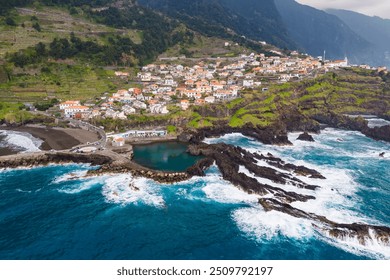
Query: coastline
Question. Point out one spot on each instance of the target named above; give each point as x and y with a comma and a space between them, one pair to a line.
230, 160
54, 138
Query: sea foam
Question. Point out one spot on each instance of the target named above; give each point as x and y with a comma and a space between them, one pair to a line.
21, 140
124, 189
336, 198
258, 224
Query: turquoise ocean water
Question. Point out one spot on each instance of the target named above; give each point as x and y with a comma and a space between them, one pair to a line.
45, 214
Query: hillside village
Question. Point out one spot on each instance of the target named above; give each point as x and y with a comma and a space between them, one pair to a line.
163, 85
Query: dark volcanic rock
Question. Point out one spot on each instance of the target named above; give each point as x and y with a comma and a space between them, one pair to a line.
299, 170
361, 232
272, 135
229, 159
357, 124
198, 168
306, 137
341, 121
378, 133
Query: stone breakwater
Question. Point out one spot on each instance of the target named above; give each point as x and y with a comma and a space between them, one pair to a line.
108, 162
45, 158
139, 171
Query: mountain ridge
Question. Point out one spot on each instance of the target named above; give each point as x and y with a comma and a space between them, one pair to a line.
372, 28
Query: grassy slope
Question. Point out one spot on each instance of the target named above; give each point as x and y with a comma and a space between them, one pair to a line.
55, 22
207, 47
67, 79
349, 91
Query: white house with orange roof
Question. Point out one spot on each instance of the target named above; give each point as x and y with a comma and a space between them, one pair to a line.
71, 111
184, 104
69, 103
190, 93
216, 85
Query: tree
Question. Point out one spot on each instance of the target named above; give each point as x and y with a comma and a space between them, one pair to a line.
40, 48
10, 21
37, 27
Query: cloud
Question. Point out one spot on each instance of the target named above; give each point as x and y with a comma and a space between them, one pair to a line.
372, 7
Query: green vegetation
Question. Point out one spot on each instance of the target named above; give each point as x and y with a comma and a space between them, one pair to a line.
14, 113
114, 52
61, 81
346, 91
67, 51
171, 129
43, 106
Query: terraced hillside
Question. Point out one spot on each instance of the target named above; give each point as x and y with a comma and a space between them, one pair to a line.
53, 52
352, 91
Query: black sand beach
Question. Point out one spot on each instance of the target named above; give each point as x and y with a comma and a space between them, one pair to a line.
54, 138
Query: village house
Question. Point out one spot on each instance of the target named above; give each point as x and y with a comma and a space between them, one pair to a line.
69, 103
118, 142
209, 99
121, 74
184, 104
71, 111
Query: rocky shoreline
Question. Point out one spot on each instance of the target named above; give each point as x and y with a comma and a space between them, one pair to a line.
229, 159
239, 167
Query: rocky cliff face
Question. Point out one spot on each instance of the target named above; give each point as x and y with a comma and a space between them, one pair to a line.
276, 135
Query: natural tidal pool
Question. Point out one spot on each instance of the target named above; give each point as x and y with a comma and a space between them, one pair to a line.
166, 156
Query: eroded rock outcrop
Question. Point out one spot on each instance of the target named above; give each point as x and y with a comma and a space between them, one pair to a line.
230, 160
275, 135
356, 124
361, 232
306, 137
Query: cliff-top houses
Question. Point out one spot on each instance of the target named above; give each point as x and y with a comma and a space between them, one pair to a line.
164, 85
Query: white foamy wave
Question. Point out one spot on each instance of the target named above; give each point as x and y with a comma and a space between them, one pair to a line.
81, 185
224, 192
123, 189
75, 175
21, 140
372, 247
258, 224
288, 187
299, 145
227, 138
22, 191
336, 198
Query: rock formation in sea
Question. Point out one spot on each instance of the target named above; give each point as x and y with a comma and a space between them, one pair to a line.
254, 173
231, 161
306, 137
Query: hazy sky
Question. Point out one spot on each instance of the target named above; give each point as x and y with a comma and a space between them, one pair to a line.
379, 8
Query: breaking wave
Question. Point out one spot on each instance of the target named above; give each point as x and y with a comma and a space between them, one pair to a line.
124, 189
20, 141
